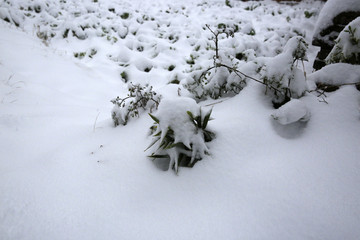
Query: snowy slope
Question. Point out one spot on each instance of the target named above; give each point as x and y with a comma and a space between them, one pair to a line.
67, 173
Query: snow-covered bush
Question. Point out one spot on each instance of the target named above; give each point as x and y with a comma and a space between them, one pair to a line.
140, 98
214, 83
280, 74
333, 17
347, 46
218, 79
180, 133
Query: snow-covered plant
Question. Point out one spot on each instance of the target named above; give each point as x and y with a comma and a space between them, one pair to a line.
281, 75
217, 80
140, 98
347, 47
180, 133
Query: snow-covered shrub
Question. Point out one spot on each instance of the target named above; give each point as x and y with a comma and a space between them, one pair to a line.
180, 133
280, 74
214, 83
216, 80
331, 21
347, 46
140, 98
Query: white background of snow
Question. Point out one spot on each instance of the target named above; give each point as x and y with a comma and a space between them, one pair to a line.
61, 178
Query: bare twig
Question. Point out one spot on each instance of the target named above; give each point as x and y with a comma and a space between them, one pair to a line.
211, 104
94, 127
323, 100
216, 41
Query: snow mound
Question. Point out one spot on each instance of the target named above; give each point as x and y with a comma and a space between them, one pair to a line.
335, 74
293, 111
172, 114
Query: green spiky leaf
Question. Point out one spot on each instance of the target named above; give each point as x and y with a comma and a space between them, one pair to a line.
206, 119
154, 118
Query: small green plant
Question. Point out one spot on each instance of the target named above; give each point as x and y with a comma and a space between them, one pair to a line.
140, 98
180, 136
252, 32
125, 15
80, 55
228, 3
93, 52
124, 76
308, 14
252, 7
191, 61
111, 39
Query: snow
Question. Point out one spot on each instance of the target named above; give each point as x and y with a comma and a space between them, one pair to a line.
67, 173
336, 74
293, 111
331, 9
172, 113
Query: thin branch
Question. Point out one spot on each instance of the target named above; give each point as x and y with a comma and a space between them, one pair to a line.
211, 104
216, 40
237, 72
323, 100
94, 127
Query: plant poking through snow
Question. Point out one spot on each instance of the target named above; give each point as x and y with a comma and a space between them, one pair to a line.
347, 47
218, 79
180, 133
281, 75
140, 98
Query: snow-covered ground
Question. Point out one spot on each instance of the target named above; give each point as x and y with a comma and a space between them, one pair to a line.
67, 173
